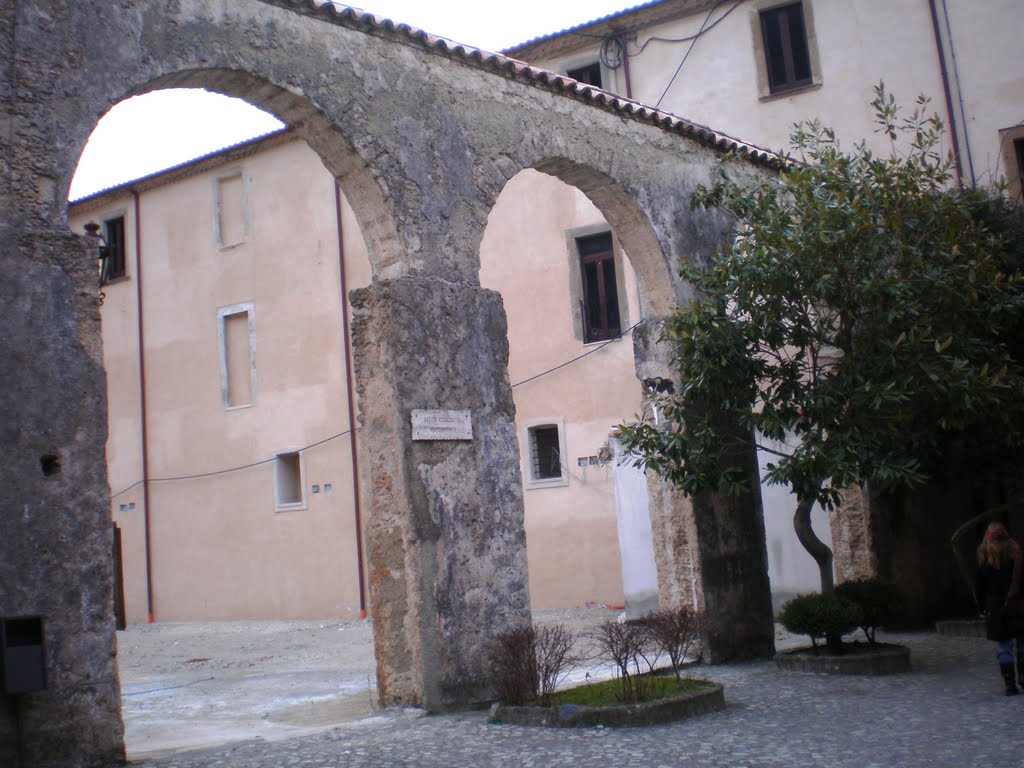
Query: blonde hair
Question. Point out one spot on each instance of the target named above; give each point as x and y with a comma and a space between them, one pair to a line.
996, 543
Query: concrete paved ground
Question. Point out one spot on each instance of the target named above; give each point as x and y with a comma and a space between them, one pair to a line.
949, 711
205, 684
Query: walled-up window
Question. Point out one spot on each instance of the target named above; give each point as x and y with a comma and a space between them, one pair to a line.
787, 53
113, 265
237, 355
600, 298
231, 214
288, 484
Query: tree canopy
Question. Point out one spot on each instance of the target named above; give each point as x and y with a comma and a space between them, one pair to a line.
867, 315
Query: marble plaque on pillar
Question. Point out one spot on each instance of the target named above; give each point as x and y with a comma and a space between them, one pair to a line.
442, 425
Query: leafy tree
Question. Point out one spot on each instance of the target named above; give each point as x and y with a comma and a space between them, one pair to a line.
866, 315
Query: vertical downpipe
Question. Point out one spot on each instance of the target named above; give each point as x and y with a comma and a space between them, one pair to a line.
350, 396
944, 73
960, 94
625, 66
150, 615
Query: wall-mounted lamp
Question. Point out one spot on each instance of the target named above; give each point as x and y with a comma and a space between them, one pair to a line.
92, 230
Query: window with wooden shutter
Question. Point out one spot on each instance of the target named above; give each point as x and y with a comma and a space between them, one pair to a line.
786, 51
599, 304
589, 74
113, 265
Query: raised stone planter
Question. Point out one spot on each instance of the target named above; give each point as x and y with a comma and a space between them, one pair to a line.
668, 710
859, 659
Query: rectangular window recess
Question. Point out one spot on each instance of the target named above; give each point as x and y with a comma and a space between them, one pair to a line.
232, 216
237, 356
288, 483
786, 50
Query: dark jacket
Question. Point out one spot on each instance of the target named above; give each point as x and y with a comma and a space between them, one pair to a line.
990, 588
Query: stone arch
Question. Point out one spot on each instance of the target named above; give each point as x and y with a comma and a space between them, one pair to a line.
709, 550
559, 389
363, 187
430, 130
631, 225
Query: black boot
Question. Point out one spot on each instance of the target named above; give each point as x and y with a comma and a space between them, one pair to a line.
1020, 669
1007, 669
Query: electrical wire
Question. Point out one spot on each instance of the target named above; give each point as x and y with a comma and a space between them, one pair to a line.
719, 20
200, 475
578, 357
228, 470
688, 50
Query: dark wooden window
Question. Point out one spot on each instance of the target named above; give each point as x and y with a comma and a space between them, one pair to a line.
1018, 148
590, 74
545, 458
786, 52
113, 262
600, 303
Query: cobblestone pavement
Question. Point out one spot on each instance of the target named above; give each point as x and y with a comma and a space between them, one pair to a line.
949, 711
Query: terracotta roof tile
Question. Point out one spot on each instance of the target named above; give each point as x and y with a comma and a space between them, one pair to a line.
353, 18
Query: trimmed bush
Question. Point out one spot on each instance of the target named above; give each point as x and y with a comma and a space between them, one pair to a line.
881, 602
819, 616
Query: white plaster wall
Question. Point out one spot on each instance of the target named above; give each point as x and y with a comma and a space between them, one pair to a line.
636, 542
790, 568
859, 43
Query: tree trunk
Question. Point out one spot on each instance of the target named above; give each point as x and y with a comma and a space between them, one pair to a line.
822, 555
815, 547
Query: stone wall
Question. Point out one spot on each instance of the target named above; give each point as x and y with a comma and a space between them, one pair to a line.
852, 544
56, 538
445, 537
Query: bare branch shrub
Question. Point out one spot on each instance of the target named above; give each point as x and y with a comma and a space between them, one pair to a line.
554, 657
514, 666
624, 645
676, 631
528, 663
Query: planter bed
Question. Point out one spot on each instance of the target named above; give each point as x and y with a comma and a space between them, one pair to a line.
857, 659
710, 699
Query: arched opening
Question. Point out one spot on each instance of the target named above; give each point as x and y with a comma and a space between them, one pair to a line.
230, 445
684, 537
572, 296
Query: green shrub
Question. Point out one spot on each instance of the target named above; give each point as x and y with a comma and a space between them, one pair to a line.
820, 616
881, 602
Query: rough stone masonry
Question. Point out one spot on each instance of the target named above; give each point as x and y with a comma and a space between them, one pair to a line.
422, 135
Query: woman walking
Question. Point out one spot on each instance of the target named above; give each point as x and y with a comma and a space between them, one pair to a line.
998, 591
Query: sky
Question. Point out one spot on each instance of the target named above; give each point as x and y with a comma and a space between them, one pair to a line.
149, 133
